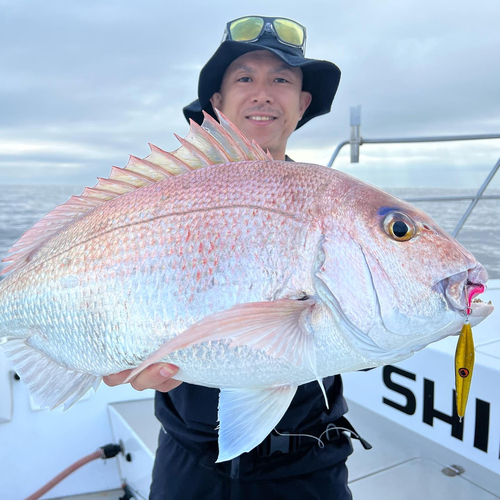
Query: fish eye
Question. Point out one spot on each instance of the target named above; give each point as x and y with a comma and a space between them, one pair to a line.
399, 226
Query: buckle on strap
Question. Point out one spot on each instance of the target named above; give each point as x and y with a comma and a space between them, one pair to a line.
282, 443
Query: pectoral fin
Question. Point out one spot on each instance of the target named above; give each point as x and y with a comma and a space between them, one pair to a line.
278, 328
248, 415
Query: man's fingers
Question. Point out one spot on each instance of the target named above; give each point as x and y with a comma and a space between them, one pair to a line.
154, 376
116, 378
168, 385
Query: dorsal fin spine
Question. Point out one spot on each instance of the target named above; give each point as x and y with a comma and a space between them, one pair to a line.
195, 152
265, 156
98, 193
222, 131
137, 174
236, 134
170, 158
197, 129
132, 177
142, 166
113, 185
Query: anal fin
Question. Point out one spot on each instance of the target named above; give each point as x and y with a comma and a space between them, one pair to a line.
49, 383
248, 415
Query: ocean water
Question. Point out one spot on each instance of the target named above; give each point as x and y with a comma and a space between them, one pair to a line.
23, 205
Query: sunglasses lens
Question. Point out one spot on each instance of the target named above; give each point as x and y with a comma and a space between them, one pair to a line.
247, 28
289, 31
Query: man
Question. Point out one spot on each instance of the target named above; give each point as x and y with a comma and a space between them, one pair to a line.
260, 79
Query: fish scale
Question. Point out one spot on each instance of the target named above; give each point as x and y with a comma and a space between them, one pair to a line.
253, 276
242, 262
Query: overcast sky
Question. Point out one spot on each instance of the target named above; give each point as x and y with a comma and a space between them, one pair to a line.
83, 84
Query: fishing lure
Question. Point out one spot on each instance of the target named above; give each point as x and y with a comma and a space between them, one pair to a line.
465, 357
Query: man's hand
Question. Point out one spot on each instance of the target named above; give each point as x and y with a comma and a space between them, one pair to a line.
157, 376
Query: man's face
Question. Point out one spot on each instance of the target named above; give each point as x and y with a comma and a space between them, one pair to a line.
263, 97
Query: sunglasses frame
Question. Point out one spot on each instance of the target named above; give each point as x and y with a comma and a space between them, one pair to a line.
268, 26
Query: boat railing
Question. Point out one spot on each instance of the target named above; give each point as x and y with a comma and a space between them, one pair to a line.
356, 141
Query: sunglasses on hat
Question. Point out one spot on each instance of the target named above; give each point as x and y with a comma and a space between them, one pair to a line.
251, 28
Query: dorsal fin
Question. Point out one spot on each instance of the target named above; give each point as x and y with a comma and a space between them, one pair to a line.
210, 144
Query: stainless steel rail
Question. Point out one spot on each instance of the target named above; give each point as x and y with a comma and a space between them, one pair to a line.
358, 141
336, 152
476, 198
401, 140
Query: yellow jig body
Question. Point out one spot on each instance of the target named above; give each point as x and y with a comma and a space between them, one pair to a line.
464, 366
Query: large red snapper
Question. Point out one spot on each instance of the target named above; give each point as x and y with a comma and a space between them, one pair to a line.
251, 275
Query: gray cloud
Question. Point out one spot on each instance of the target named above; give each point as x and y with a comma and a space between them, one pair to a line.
112, 76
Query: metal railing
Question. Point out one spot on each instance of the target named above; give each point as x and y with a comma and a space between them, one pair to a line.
356, 141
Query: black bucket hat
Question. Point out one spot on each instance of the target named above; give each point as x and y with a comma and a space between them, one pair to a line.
320, 78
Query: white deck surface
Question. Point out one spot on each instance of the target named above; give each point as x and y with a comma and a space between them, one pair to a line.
406, 466
417, 479
401, 466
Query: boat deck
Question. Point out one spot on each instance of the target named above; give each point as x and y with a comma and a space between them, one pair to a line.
401, 464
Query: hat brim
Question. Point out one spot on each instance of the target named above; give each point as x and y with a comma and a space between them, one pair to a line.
320, 78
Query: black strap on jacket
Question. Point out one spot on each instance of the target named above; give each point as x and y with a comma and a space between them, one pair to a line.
277, 442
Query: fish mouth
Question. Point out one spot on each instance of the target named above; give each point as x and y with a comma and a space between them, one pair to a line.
462, 289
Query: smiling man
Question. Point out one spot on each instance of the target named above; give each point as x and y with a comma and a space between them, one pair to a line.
263, 97
260, 79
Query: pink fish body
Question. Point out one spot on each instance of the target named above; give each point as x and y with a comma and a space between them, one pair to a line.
251, 275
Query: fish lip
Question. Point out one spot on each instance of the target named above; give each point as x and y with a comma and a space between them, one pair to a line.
480, 309
462, 288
